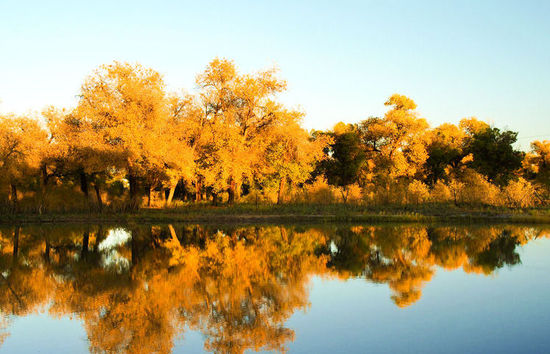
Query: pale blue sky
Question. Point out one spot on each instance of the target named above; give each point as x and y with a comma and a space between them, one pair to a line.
489, 59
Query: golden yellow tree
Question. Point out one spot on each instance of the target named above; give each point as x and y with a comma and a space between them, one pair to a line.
238, 110
291, 153
127, 109
396, 142
22, 142
537, 166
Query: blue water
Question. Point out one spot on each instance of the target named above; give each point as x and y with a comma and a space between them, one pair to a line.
506, 310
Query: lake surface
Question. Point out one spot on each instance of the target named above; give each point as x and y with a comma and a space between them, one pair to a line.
301, 289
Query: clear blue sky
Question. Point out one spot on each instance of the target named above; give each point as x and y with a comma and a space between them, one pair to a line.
489, 59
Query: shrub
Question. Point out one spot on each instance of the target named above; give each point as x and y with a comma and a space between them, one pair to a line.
476, 189
520, 194
441, 193
319, 192
418, 192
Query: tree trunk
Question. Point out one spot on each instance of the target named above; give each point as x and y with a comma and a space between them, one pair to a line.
14, 198
84, 183
231, 192
134, 247
171, 195
47, 251
15, 243
100, 236
387, 192
43, 188
198, 190
454, 195
344, 193
98, 196
281, 190
173, 232
133, 186
85, 243
132, 180
149, 196
214, 199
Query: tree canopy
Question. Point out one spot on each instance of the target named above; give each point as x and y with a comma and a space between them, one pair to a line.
232, 140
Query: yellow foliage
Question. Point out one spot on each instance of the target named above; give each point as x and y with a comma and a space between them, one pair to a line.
354, 194
441, 193
418, 192
319, 192
520, 194
131, 141
476, 189
473, 125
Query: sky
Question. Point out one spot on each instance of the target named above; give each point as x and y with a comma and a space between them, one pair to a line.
341, 59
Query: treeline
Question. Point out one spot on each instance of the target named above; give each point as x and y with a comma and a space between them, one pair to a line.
129, 143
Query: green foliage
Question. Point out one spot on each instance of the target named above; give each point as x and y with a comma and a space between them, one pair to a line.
346, 159
494, 155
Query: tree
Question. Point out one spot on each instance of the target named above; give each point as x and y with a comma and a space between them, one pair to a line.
396, 143
22, 141
126, 109
238, 112
291, 154
346, 157
445, 151
537, 162
494, 155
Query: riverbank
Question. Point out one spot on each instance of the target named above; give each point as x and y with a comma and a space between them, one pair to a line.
294, 213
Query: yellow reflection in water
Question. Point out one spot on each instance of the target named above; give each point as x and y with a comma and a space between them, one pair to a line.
136, 289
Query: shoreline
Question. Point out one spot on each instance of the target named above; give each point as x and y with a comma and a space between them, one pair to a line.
235, 215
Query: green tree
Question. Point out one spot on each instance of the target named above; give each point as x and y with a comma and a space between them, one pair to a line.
346, 157
445, 150
494, 155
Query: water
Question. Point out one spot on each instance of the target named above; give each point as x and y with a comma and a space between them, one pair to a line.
303, 289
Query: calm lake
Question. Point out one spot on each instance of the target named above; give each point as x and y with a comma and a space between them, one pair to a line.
302, 289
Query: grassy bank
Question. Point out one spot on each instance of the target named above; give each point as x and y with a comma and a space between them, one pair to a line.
298, 213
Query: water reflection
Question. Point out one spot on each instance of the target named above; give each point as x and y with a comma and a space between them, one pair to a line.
138, 288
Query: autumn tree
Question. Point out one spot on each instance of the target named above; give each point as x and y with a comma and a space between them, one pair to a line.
536, 166
537, 162
127, 111
238, 110
22, 142
291, 153
396, 142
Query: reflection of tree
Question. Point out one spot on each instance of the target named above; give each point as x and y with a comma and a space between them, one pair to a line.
237, 287
24, 285
252, 281
4, 324
398, 256
135, 291
480, 250
405, 257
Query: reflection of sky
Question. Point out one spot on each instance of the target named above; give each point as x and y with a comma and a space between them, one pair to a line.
507, 312
458, 312
115, 237
40, 333
110, 258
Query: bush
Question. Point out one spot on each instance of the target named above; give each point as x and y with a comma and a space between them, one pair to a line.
441, 193
319, 192
520, 194
418, 192
476, 189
